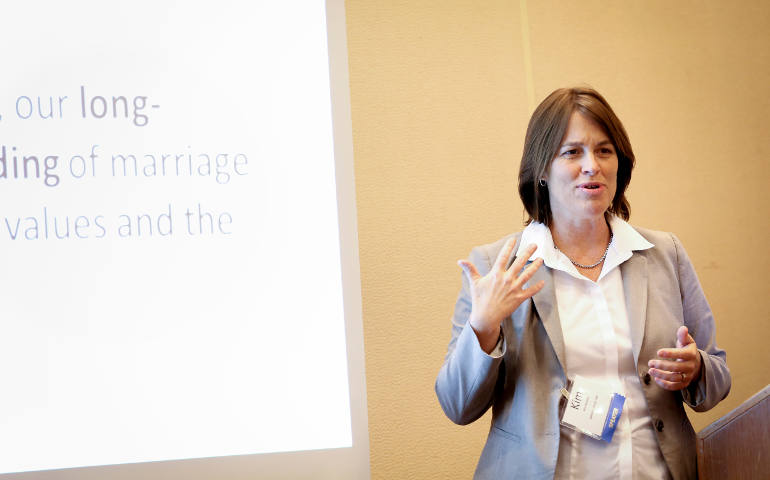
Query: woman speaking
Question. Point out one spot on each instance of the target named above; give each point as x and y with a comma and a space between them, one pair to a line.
581, 294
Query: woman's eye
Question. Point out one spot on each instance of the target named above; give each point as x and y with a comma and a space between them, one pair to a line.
570, 152
607, 151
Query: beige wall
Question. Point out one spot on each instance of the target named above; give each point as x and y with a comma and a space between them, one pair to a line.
441, 92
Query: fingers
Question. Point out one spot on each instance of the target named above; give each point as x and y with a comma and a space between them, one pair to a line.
526, 275
505, 254
672, 380
677, 367
685, 349
683, 337
529, 292
522, 260
670, 366
673, 375
499, 293
528, 272
469, 270
668, 385
678, 354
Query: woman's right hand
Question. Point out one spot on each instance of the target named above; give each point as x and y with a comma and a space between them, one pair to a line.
497, 294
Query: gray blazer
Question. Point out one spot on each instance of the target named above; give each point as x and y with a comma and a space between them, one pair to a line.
662, 293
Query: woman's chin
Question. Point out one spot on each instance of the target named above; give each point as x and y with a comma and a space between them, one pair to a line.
590, 212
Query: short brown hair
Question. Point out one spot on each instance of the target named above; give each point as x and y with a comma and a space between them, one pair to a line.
544, 134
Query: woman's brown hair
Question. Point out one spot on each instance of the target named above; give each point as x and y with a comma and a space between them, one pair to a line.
544, 134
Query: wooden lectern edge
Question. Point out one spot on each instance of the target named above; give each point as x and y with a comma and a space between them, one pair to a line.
735, 413
723, 422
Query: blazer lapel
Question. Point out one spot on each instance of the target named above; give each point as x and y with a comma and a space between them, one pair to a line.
634, 273
545, 303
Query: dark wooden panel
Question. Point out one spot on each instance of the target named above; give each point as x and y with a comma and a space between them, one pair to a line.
738, 444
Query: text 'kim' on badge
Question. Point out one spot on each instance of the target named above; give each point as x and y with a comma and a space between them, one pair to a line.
592, 408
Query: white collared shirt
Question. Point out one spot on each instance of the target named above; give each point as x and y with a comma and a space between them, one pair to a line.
597, 339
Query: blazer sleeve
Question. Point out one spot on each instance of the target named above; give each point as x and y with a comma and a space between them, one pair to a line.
714, 383
466, 382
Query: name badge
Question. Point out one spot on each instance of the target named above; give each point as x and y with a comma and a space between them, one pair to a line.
591, 408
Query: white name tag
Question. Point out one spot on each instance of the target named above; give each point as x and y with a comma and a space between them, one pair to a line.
592, 408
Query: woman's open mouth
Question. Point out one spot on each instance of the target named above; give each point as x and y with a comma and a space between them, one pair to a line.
591, 187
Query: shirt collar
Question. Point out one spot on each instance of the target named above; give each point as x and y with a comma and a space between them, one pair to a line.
625, 240
625, 237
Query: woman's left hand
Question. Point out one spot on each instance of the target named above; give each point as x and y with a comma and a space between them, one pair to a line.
677, 367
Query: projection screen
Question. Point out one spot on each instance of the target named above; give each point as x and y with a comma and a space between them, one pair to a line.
180, 285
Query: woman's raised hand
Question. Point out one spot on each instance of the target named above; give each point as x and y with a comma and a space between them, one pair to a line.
676, 368
498, 293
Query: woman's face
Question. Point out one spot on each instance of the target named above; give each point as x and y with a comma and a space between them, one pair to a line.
582, 178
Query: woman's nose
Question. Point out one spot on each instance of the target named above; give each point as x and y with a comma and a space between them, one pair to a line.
590, 166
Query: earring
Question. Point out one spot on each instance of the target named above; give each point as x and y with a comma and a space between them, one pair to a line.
542, 182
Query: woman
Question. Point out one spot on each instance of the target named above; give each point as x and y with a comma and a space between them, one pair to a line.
581, 292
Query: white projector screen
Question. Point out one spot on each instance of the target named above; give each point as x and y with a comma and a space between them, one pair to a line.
177, 230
